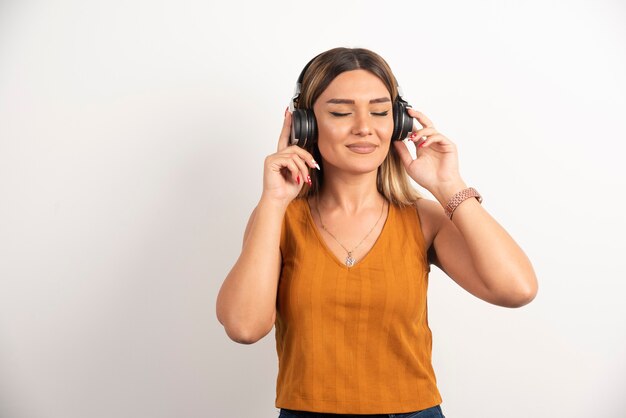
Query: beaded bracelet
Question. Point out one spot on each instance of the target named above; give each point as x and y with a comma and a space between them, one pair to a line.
461, 196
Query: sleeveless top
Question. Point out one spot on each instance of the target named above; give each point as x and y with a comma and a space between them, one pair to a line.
354, 340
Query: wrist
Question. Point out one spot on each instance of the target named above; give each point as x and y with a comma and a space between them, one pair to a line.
276, 204
459, 197
446, 190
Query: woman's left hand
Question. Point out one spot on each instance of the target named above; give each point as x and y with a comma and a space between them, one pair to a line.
437, 159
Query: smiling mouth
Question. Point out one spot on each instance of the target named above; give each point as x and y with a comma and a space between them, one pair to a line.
362, 147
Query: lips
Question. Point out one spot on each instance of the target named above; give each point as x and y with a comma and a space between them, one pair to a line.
362, 147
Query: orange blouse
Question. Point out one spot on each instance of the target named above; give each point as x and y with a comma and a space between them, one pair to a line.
354, 340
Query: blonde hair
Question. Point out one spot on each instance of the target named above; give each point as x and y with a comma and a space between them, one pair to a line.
392, 180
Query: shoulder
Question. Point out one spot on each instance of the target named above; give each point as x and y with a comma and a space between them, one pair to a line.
296, 206
296, 213
431, 216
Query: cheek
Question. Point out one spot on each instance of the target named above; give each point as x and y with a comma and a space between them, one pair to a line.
331, 134
386, 129
328, 128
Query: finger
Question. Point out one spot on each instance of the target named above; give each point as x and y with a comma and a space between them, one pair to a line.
294, 171
437, 139
421, 118
304, 154
420, 133
283, 139
303, 169
403, 152
283, 164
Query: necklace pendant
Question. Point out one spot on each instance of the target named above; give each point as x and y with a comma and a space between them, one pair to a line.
349, 260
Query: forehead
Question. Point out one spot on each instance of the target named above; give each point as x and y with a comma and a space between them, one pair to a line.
357, 85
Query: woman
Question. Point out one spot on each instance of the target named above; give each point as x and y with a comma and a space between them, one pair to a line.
337, 253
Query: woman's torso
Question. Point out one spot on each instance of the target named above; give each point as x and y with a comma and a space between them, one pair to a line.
354, 339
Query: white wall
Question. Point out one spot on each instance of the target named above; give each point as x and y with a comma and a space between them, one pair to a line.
132, 138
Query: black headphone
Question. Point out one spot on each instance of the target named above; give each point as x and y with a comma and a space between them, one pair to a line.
304, 126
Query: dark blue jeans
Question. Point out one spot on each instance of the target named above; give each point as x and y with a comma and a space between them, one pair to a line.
434, 412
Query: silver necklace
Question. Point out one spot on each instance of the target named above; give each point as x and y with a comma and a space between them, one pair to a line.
349, 259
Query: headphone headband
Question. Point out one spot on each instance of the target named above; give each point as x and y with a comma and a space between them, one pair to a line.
298, 88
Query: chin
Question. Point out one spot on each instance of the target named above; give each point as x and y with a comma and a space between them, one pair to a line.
364, 166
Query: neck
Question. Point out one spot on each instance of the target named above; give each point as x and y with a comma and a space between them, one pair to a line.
350, 193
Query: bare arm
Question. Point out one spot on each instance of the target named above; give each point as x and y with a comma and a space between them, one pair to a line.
472, 248
246, 302
478, 253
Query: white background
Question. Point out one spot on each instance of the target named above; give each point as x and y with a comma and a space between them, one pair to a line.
132, 139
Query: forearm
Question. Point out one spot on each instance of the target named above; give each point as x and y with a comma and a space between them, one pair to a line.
500, 262
247, 299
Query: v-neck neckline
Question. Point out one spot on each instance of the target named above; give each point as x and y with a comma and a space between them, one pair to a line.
332, 255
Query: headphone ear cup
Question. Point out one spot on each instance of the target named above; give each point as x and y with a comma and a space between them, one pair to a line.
312, 127
298, 121
303, 127
396, 123
402, 121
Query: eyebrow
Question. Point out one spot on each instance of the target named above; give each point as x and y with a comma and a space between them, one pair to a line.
349, 101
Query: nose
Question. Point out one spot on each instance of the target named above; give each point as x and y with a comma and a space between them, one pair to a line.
361, 124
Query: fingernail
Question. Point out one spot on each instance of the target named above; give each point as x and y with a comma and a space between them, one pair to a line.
298, 180
316, 164
286, 110
308, 180
420, 145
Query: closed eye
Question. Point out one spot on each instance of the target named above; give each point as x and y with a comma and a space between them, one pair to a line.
338, 114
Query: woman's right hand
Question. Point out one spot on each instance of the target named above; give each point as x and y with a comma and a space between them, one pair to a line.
286, 171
